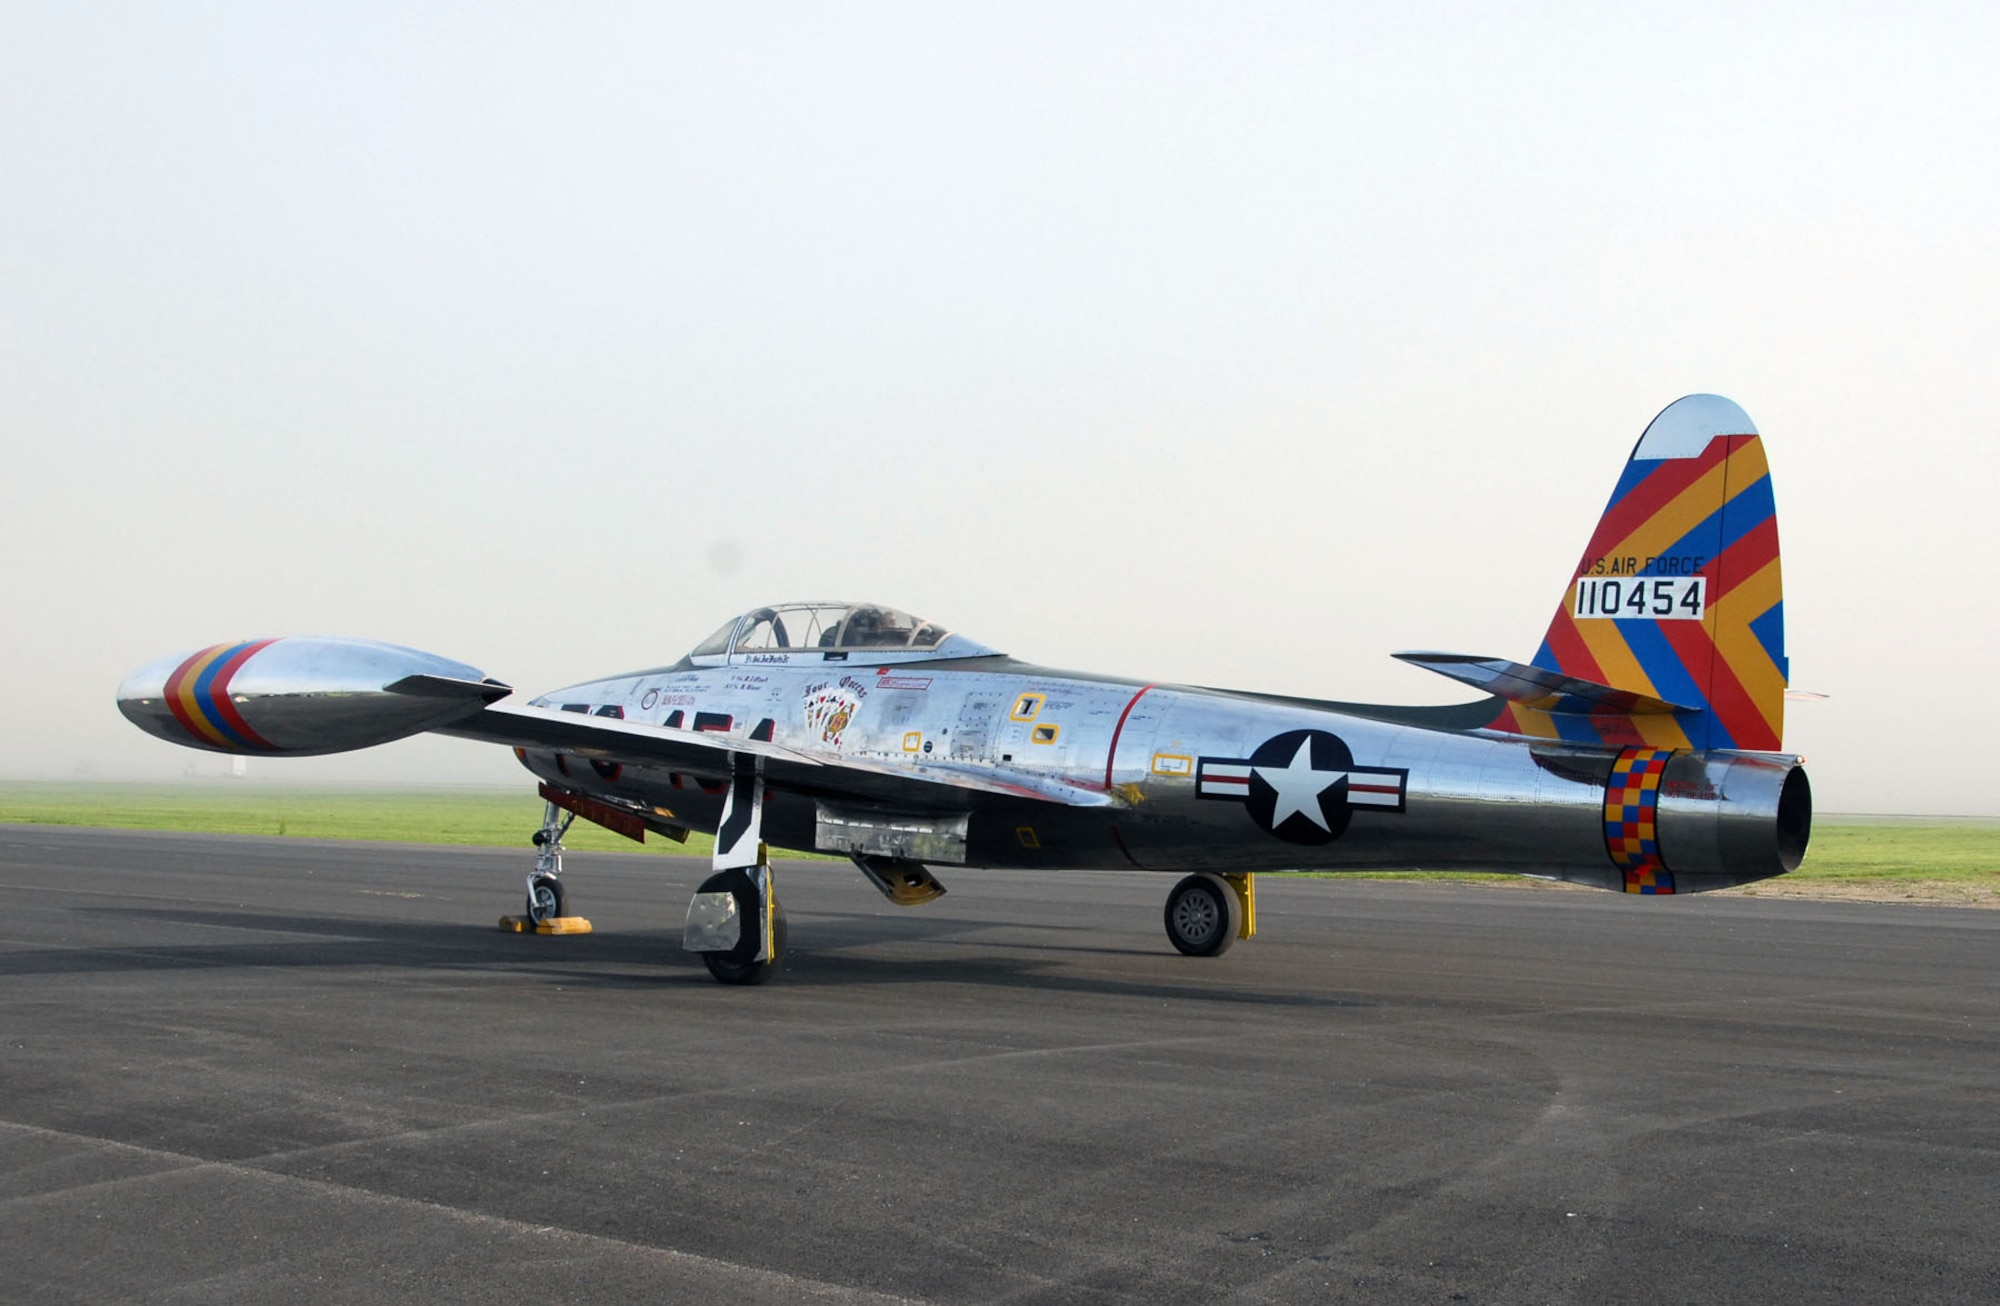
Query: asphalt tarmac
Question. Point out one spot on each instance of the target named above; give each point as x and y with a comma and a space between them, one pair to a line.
245, 1069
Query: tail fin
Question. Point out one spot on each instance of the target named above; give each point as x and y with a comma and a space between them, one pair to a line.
1678, 596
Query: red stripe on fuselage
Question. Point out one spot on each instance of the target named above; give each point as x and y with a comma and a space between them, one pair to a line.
1111, 758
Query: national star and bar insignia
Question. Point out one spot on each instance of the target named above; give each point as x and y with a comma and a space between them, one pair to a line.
1302, 786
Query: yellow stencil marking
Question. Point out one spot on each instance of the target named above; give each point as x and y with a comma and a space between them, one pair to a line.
1025, 707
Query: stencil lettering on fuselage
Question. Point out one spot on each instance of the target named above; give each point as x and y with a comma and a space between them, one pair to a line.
1302, 786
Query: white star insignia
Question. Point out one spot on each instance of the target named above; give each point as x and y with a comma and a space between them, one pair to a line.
1299, 787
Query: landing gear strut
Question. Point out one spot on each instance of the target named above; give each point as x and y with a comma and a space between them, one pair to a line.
734, 921
547, 899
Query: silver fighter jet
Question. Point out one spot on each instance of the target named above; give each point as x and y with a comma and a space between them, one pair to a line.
1636, 751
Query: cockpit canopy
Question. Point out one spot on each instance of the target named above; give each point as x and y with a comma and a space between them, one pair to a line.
830, 632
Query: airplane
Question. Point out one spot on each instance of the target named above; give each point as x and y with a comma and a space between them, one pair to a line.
1637, 751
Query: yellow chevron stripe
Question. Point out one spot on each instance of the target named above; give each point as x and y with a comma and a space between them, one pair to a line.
1535, 723
194, 709
1740, 649
1614, 657
1747, 466
1660, 731
1676, 517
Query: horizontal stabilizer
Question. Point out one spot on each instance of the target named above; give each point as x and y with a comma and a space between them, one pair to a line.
1540, 688
428, 686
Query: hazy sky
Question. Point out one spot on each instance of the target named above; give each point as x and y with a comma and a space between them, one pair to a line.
1232, 344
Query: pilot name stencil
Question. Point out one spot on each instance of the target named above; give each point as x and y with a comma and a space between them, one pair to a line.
1302, 786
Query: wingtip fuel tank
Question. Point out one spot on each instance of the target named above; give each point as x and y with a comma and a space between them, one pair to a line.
301, 696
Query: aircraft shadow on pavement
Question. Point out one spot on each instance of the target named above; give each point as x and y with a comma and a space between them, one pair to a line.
602, 958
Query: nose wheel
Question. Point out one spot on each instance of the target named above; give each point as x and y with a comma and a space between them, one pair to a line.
547, 899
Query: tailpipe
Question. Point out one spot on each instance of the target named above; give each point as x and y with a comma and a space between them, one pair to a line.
1728, 818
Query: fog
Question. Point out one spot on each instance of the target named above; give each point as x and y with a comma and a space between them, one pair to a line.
1234, 345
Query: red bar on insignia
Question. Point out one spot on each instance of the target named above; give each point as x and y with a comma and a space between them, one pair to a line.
1228, 780
1374, 789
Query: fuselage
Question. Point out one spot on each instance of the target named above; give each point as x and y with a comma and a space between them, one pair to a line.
1195, 779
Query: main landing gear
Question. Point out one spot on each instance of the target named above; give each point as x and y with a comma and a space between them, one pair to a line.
734, 920
1208, 912
738, 907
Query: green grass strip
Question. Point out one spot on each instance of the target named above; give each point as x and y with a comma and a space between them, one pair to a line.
1845, 850
497, 818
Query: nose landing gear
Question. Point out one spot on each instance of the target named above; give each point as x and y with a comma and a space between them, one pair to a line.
547, 899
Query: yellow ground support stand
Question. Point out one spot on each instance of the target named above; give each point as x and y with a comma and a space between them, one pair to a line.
1245, 888
554, 925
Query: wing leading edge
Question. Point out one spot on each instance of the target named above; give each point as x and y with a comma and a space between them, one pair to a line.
932, 785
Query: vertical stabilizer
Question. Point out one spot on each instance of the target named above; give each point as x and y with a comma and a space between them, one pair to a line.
1678, 595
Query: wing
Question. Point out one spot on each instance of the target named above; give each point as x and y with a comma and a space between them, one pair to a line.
918, 784
304, 695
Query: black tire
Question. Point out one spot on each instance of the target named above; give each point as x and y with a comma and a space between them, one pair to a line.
1203, 916
727, 969
547, 899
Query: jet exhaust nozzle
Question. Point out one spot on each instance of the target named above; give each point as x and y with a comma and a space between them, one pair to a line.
1730, 818
301, 696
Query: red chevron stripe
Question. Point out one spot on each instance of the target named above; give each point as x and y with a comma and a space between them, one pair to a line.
173, 693
1645, 500
1571, 653
1728, 702
1691, 643
1743, 559
1736, 708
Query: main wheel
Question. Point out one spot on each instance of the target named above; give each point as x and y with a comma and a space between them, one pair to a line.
725, 967
1203, 916
547, 899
